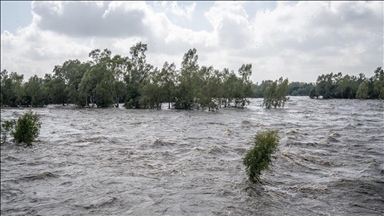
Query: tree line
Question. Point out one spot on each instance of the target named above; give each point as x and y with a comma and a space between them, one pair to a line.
107, 81
334, 85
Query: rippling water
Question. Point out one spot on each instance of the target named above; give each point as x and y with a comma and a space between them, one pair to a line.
168, 162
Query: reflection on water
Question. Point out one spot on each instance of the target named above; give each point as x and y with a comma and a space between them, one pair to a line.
168, 162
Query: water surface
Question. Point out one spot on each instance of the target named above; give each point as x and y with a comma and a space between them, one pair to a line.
169, 162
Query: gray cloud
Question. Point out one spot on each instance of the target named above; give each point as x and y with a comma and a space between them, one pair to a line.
85, 19
233, 35
295, 40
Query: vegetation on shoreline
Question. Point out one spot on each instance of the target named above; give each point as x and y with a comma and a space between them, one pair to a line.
332, 85
107, 81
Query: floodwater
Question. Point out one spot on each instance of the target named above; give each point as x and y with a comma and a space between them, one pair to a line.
168, 162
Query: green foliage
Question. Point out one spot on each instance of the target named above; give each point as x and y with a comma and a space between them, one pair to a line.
237, 89
275, 94
313, 94
362, 91
107, 80
27, 128
294, 89
259, 158
6, 128
262, 87
151, 92
245, 85
300, 88
12, 89
97, 85
55, 88
349, 87
188, 81
137, 72
35, 94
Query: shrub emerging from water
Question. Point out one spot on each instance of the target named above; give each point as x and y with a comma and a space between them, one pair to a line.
27, 128
6, 128
259, 158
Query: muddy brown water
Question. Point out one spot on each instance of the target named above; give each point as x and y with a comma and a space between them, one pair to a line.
168, 162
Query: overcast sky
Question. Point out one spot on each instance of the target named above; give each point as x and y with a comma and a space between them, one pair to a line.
298, 40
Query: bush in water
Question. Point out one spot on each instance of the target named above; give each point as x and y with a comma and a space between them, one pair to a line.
259, 157
27, 128
6, 128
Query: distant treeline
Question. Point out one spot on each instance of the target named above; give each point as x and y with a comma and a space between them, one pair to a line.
107, 80
294, 88
350, 87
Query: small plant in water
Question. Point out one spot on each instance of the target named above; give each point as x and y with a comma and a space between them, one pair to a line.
6, 128
27, 128
259, 158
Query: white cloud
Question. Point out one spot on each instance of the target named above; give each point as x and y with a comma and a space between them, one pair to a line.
182, 11
230, 21
326, 31
296, 40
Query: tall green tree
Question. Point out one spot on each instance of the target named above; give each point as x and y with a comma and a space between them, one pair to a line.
35, 92
245, 72
138, 71
56, 89
262, 87
98, 83
209, 88
378, 84
167, 80
71, 72
151, 91
275, 94
362, 92
12, 89
233, 90
185, 94
119, 67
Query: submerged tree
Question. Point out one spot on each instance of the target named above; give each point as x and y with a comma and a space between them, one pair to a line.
187, 81
275, 94
12, 89
71, 73
362, 91
259, 158
300, 88
35, 92
245, 72
25, 130
378, 84
349, 87
167, 81
107, 81
137, 72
